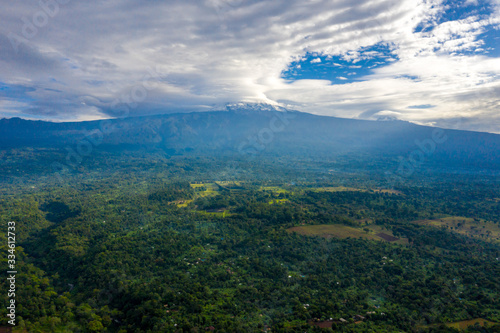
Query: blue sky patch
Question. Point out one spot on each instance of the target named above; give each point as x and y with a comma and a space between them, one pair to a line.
16, 92
456, 10
460, 10
423, 106
491, 39
340, 69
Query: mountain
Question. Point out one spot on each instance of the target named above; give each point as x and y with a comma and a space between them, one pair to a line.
260, 129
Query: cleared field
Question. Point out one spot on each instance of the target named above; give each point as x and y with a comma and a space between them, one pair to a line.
184, 203
461, 325
274, 189
333, 230
278, 201
354, 189
211, 190
343, 231
228, 183
470, 227
233, 186
217, 213
337, 189
363, 222
387, 237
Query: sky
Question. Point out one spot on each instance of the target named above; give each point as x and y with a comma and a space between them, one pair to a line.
431, 62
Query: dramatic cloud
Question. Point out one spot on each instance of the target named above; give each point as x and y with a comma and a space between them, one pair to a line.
427, 61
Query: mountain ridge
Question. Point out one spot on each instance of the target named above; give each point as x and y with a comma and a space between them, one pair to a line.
271, 131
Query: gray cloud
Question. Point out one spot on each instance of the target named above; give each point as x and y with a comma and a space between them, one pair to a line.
88, 55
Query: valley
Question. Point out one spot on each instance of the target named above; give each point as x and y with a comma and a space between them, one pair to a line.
247, 254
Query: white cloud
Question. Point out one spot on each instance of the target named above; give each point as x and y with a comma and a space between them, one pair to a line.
214, 52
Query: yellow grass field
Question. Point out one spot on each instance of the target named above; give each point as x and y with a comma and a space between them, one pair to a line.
211, 189
228, 183
466, 226
184, 203
461, 325
343, 231
353, 189
278, 201
274, 189
337, 189
222, 214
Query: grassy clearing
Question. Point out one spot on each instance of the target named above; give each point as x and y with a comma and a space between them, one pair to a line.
278, 201
470, 227
274, 189
353, 189
337, 189
222, 214
343, 231
232, 186
228, 183
211, 189
463, 324
363, 222
333, 230
184, 203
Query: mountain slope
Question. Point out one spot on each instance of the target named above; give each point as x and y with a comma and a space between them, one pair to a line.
239, 130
